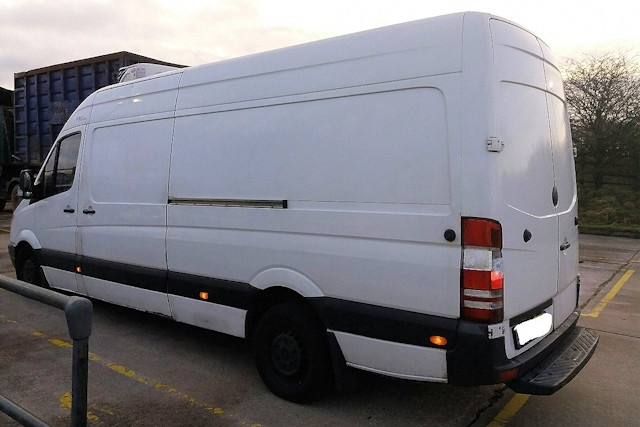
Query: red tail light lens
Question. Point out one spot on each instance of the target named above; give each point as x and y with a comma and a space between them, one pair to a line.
481, 232
482, 279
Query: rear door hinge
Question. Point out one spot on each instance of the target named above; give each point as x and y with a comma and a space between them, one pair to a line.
495, 145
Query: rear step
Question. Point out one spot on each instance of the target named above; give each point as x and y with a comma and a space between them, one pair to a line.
560, 366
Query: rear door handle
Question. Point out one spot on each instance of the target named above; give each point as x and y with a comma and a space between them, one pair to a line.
89, 211
68, 209
566, 245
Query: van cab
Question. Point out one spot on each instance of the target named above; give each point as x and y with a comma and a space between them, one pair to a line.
400, 200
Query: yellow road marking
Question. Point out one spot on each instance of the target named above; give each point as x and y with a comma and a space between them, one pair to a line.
60, 343
509, 411
610, 295
65, 400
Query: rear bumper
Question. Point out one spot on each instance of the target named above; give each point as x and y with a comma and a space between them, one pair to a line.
477, 360
561, 366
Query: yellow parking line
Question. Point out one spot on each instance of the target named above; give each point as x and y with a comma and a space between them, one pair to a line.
156, 385
509, 411
518, 400
610, 295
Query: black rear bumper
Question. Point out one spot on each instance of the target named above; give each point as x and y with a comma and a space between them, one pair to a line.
557, 369
543, 369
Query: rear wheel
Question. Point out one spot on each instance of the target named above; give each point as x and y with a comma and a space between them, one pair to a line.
28, 268
291, 352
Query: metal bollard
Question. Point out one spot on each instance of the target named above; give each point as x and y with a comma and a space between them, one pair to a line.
78, 312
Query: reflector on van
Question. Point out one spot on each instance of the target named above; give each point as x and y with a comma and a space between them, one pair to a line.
482, 279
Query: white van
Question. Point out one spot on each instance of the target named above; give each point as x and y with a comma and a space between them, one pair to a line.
400, 200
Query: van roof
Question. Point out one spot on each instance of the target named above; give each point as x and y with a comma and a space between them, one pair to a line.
343, 61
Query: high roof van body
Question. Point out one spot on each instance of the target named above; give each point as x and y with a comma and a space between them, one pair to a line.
401, 200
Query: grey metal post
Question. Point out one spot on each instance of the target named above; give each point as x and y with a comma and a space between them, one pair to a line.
19, 414
78, 312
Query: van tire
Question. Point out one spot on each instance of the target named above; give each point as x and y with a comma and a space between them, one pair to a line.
28, 268
291, 353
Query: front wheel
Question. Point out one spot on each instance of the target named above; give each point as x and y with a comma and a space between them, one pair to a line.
291, 352
28, 268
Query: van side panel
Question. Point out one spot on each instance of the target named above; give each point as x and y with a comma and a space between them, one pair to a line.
375, 219
387, 148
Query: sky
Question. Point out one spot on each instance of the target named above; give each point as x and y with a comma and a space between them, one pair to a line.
40, 33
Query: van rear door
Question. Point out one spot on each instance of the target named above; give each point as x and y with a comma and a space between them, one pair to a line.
565, 184
536, 175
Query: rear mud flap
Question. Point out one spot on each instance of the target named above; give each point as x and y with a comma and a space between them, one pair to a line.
560, 366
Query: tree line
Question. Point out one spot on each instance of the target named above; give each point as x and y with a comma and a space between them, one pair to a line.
603, 97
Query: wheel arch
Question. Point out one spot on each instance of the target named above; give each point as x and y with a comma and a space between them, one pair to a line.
282, 285
26, 237
277, 285
271, 297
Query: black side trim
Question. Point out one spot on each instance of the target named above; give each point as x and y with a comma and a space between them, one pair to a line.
368, 320
151, 279
384, 323
225, 292
60, 260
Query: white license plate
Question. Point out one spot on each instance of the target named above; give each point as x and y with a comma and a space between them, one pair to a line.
531, 329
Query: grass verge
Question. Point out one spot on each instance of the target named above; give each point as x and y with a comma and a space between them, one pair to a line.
610, 211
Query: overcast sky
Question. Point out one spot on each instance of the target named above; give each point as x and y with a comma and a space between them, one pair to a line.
39, 33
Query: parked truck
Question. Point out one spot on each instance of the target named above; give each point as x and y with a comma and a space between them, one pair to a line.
9, 167
44, 99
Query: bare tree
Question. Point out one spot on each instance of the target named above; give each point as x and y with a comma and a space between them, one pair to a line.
603, 95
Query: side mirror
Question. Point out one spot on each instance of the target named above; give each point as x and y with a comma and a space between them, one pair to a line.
25, 184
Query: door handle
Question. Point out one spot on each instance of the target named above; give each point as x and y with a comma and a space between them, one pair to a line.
88, 211
68, 209
566, 245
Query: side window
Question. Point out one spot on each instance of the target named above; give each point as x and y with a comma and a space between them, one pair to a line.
60, 169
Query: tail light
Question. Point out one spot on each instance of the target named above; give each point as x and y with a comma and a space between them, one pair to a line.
482, 279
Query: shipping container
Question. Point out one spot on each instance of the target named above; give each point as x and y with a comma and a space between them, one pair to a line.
46, 97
